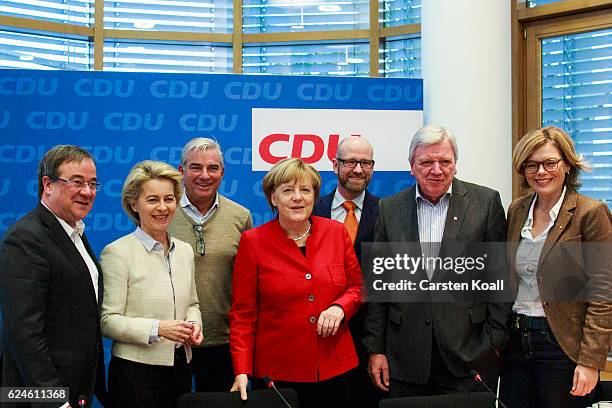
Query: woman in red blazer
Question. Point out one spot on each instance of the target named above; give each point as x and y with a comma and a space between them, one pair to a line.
296, 283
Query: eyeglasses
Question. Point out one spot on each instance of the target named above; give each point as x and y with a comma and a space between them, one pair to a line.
351, 164
198, 231
78, 184
532, 166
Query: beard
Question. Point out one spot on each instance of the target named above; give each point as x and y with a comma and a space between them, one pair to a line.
354, 185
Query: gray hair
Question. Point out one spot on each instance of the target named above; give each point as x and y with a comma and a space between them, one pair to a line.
200, 143
432, 134
52, 160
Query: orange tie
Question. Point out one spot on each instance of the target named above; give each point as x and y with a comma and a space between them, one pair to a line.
350, 222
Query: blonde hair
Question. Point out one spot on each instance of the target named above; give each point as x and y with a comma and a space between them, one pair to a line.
537, 138
287, 171
141, 173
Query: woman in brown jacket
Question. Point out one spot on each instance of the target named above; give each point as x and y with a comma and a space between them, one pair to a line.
562, 319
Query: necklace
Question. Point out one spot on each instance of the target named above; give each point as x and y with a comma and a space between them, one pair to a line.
302, 236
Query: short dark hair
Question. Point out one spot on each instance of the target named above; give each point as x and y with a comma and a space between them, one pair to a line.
52, 160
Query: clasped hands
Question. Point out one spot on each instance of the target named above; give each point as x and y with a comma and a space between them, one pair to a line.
181, 331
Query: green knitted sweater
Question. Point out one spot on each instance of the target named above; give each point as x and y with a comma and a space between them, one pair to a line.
213, 271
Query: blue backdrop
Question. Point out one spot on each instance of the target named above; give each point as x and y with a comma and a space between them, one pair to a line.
122, 118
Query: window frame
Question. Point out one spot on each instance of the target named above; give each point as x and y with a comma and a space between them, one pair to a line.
375, 34
529, 26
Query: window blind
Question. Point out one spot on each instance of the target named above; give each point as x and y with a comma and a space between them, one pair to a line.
43, 51
577, 97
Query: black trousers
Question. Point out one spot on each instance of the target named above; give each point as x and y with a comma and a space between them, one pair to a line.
212, 368
537, 373
136, 385
331, 393
441, 380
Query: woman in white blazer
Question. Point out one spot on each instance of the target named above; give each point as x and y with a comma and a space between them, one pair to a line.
150, 306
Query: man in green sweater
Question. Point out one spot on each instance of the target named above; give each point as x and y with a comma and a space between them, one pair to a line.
212, 224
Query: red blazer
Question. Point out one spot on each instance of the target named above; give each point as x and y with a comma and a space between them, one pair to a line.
278, 295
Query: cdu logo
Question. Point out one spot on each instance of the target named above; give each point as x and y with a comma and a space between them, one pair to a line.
179, 89
253, 90
324, 92
237, 155
130, 121
205, 122
104, 87
111, 154
395, 93
21, 153
314, 134
170, 155
57, 120
315, 144
10, 86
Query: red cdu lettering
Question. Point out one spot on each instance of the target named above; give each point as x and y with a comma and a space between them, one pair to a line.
266, 144
332, 146
300, 141
298, 145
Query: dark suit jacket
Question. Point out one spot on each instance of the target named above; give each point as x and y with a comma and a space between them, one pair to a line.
278, 295
51, 330
365, 232
578, 243
466, 333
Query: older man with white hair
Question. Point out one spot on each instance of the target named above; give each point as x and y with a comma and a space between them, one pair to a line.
428, 348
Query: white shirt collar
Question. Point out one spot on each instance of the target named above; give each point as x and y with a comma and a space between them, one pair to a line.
185, 203
418, 195
80, 225
149, 243
338, 200
553, 213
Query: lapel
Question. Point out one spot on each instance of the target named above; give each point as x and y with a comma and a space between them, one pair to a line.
287, 248
368, 217
323, 207
455, 216
563, 220
409, 225
100, 276
518, 220
408, 213
69, 250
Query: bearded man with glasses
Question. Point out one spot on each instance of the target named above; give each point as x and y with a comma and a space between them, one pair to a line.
352, 204
51, 286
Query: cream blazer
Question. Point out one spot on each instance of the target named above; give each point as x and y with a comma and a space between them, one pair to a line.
139, 290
